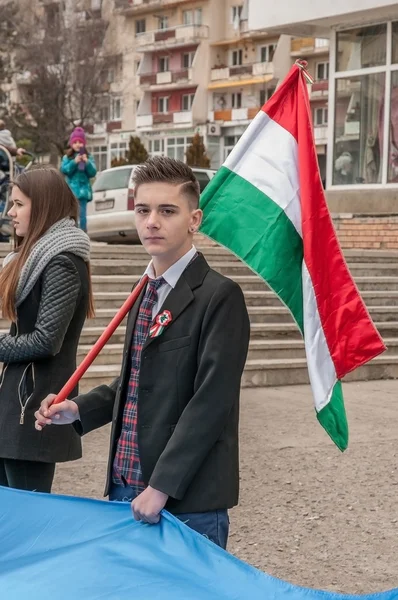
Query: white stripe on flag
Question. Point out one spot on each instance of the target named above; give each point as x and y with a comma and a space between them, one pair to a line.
266, 156
320, 365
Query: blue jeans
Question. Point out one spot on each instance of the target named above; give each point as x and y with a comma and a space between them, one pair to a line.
83, 214
213, 524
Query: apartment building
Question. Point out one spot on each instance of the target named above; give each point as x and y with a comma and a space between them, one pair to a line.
177, 67
199, 68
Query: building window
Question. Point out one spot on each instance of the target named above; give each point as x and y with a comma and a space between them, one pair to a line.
187, 59
118, 150
267, 53
163, 64
236, 100
163, 22
365, 128
163, 104
156, 147
361, 48
177, 147
358, 130
265, 95
236, 13
230, 142
237, 57
322, 71
192, 17
100, 155
104, 110
116, 109
320, 116
187, 101
140, 26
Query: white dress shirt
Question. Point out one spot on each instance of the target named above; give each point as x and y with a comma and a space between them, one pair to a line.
171, 276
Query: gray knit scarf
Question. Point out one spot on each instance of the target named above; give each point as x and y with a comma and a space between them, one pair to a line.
63, 236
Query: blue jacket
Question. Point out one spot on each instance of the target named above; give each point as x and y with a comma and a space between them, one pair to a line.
79, 181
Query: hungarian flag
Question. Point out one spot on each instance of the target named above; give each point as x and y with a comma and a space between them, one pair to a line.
267, 205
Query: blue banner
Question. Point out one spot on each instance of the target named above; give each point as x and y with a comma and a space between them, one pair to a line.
64, 548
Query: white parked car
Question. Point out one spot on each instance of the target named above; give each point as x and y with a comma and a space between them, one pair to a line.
110, 215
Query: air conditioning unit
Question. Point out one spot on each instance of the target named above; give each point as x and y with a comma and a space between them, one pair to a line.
213, 129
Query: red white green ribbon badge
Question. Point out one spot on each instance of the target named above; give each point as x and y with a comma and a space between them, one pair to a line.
162, 320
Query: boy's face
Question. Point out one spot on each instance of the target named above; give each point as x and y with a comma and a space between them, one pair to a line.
164, 220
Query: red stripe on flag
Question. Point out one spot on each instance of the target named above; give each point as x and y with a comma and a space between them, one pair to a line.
350, 333
282, 106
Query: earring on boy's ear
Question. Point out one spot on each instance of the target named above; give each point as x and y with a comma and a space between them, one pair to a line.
192, 229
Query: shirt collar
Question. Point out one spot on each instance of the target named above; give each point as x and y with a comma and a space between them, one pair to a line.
173, 273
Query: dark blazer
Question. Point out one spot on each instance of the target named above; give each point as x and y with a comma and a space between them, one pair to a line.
188, 396
39, 356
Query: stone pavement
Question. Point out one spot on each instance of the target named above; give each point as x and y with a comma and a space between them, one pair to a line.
308, 514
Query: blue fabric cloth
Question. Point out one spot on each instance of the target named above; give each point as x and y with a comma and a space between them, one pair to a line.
62, 548
79, 181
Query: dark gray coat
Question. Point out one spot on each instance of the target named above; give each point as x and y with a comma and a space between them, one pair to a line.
188, 395
39, 356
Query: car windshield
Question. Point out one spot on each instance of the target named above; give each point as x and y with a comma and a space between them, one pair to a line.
203, 179
114, 179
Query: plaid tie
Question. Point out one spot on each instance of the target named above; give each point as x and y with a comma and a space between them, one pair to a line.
126, 466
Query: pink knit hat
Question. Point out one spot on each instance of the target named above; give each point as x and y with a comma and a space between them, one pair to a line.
77, 135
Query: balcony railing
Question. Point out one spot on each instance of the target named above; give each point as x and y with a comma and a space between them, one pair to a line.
320, 89
240, 71
321, 134
134, 7
176, 117
234, 114
310, 44
174, 35
165, 77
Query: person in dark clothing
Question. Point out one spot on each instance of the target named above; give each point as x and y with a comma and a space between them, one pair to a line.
45, 292
175, 407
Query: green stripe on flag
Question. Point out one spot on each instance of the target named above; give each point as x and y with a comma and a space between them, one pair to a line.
242, 218
333, 418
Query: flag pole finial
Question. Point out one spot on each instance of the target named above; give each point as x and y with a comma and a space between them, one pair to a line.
303, 64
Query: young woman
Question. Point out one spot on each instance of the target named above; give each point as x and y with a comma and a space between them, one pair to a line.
79, 167
45, 291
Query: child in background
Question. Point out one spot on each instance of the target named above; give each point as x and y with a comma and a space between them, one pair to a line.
79, 167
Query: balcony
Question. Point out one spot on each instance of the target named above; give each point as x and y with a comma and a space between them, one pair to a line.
173, 37
254, 73
232, 115
174, 118
321, 134
165, 79
320, 89
139, 7
309, 46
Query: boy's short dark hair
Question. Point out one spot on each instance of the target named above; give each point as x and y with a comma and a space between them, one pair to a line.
161, 169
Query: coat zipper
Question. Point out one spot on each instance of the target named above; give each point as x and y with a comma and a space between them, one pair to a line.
3, 373
5, 367
24, 405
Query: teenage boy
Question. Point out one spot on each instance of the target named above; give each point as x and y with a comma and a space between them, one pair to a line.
175, 406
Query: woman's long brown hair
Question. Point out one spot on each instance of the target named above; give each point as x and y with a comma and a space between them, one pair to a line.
52, 200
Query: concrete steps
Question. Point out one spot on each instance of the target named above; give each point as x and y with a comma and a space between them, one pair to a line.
265, 297
267, 373
259, 349
276, 352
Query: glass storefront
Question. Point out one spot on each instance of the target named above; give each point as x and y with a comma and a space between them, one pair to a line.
366, 95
